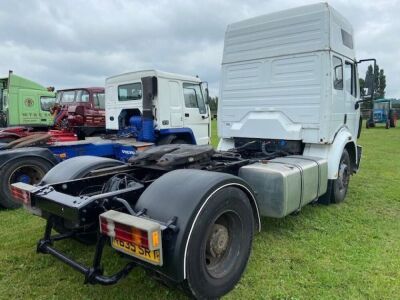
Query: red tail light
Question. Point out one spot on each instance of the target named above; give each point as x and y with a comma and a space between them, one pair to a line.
21, 195
139, 231
124, 232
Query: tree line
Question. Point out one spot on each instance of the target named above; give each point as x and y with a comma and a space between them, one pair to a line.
379, 79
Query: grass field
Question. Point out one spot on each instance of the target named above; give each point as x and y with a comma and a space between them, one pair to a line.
346, 251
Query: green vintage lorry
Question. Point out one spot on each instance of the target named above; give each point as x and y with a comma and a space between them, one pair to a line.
25, 103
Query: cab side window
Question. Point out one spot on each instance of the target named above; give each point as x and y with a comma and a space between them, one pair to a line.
193, 97
350, 78
99, 100
190, 97
131, 91
337, 73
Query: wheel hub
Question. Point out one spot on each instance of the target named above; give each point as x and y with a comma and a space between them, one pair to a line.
218, 241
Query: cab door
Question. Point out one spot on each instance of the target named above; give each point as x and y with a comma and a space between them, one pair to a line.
350, 95
195, 114
28, 108
175, 96
338, 98
98, 102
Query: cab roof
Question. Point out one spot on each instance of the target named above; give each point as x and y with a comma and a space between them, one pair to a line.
144, 73
89, 89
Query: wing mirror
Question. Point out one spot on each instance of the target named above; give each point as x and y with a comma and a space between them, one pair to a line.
204, 88
367, 91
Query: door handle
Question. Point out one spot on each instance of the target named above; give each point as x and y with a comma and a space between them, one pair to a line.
186, 115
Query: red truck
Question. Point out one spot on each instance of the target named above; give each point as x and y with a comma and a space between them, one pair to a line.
80, 109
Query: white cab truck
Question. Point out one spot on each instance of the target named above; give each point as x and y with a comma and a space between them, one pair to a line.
178, 108
288, 122
292, 76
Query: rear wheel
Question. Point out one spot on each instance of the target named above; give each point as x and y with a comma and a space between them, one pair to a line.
393, 122
29, 170
220, 243
370, 124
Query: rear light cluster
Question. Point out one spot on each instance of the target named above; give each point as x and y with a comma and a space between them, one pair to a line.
132, 229
20, 194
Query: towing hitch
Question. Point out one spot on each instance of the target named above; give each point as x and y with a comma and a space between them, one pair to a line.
93, 274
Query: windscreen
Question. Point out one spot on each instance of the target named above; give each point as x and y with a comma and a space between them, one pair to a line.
66, 97
47, 102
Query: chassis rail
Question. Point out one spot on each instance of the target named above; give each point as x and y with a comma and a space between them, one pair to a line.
93, 274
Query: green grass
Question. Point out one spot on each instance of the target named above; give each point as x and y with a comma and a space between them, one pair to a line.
346, 251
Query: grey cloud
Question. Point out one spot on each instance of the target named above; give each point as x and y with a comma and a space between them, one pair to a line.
78, 43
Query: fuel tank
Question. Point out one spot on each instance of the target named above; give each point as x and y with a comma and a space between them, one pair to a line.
284, 185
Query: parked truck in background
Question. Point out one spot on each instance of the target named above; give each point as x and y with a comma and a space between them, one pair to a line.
81, 110
382, 112
175, 113
25, 103
288, 119
28, 108
179, 108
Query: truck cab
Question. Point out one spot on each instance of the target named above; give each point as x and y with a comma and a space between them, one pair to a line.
82, 109
178, 108
288, 119
291, 78
24, 102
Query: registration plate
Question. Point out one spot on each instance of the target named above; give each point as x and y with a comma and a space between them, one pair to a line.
151, 256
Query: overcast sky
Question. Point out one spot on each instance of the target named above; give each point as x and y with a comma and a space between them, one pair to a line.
80, 43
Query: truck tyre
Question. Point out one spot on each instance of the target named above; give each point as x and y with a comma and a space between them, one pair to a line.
180, 141
171, 139
341, 184
337, 188
220, 243
25, 169
359, 127
78, 167
387, 124
393, 122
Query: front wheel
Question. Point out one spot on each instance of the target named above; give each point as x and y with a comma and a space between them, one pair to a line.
220, 243
341, 184
337, 188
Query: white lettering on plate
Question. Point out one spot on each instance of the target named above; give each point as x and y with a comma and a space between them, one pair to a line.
127, 152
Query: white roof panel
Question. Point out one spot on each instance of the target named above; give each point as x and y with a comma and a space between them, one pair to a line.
293, 31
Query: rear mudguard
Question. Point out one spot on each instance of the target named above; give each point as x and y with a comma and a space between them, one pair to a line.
183, 194
8, 155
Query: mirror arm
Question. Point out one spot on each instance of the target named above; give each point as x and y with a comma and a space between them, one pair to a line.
357, 104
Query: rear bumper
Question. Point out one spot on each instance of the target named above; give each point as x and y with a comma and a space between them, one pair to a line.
94, 273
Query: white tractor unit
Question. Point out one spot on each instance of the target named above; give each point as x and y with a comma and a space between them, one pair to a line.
288, 119
177, 112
